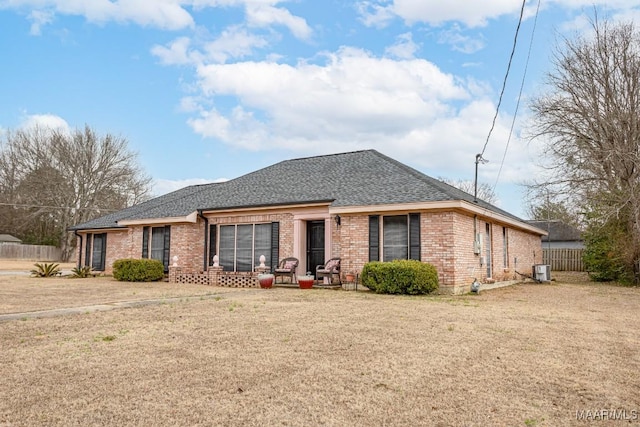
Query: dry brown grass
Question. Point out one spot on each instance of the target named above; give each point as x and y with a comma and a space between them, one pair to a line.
525, 355
26, 265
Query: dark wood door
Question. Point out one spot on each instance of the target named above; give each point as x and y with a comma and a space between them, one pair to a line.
315, 245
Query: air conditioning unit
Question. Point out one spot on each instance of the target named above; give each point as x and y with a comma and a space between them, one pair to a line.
542, 272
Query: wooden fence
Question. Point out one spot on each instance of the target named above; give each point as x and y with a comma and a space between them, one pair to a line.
29, 252
563, 259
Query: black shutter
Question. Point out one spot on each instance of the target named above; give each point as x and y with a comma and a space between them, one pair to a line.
414, 236
103, 258
87, 250
167, 245
374, 238
213, 228
145, 242
275, 245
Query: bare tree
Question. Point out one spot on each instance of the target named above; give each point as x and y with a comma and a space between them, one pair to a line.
51, 180
589, 121
485, 191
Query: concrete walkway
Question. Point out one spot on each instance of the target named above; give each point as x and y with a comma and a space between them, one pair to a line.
110, 306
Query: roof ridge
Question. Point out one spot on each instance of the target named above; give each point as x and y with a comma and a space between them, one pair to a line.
329, 155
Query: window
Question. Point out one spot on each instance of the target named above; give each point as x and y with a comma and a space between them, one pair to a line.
240, 246
156, 244
395, 240
505, 247
95, 251
399, 237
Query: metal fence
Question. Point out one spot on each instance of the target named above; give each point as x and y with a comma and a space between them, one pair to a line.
563, 259
29, 252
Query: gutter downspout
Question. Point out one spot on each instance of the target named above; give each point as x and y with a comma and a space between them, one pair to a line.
206, 234
79, 236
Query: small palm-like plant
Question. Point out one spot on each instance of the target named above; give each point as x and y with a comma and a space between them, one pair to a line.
81, 272
45, 270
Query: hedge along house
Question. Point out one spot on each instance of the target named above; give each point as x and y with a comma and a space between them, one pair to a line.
360, 206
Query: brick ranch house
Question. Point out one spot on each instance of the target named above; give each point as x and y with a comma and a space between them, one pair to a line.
359, 206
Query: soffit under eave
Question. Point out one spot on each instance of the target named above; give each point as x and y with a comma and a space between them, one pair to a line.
459, 206
192, 218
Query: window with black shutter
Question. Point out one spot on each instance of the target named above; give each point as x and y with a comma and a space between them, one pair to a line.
98, 253
156, 244
394, 237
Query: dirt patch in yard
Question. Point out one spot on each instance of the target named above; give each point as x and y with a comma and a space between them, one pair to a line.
524, 355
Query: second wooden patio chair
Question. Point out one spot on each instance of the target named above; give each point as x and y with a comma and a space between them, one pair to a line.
287, 267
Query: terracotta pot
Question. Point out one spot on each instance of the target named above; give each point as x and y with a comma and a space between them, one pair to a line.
305, 282
350, 277
266, 280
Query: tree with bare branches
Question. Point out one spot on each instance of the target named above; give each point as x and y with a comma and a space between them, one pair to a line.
589, 121
485, 191
52, 179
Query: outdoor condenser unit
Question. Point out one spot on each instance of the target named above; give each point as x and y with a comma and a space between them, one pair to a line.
542, 272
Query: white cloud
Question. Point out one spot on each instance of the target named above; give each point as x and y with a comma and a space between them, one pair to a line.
352, 101
459, 42
403, 48
379, 13
45, 121
39, 18
265, 15
165, 14
234, 42
164, 186
375, 14
436, 12
176, 53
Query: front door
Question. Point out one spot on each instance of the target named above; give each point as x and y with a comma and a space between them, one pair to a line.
315, 245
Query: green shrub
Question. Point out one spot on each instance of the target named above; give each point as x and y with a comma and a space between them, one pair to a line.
81, 272
138, 270
46, 270
400, 277
601, 260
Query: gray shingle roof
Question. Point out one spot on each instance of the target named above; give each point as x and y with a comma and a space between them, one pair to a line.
559, 231
358, 178
8, 238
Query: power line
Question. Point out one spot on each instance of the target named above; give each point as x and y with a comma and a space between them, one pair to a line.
506, 76
515, 114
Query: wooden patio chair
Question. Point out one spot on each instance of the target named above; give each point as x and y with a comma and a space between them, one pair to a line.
330, 269
287, 267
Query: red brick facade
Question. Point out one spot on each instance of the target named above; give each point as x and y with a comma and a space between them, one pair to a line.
447, 240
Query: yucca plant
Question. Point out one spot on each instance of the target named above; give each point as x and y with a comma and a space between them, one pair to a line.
81, 272
45, 269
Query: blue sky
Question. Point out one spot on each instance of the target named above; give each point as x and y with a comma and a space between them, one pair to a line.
206, 90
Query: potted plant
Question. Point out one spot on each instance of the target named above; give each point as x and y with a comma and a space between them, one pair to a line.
306, 281
350, 277
265, 280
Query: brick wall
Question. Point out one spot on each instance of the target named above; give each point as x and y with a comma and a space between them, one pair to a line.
187, 243
447, 242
